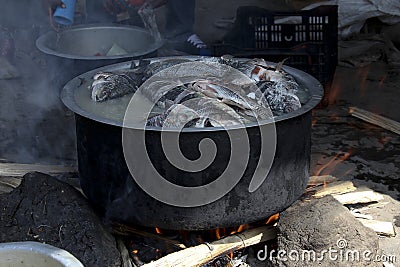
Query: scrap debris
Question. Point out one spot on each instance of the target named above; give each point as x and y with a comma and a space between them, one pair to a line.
375, 119
347, 194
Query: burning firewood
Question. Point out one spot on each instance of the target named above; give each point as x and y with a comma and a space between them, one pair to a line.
321, 180
375, 119
169, 245
201, 254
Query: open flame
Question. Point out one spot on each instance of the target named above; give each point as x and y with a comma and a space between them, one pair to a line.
150, 244
330, 166
272, 219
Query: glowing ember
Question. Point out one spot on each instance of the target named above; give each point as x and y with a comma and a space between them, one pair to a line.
217, 233
382, 80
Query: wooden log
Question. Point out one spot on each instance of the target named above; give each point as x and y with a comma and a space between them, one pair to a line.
126, 230
375, 119
380, 227
335, 188
19, 170
12, 182
359, 197
201, 254
321, 179
7, 184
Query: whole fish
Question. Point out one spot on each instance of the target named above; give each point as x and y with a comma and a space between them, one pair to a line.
214, 112
230, 97
199, 113
160, 91
260, 70
108, 85
180, 116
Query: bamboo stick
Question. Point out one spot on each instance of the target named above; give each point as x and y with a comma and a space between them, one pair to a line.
375, 119
201, 254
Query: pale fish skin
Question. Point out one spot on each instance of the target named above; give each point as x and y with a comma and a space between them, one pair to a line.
218, 113
178, 116
230, 97
154, 90
260, 70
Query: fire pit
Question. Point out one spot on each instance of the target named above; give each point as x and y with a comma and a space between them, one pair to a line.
107, 182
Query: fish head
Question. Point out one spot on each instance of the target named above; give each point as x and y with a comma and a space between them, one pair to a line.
102, 75
205, 87
101, 89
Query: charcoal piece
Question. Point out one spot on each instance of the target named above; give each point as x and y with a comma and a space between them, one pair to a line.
323, 224
44, 209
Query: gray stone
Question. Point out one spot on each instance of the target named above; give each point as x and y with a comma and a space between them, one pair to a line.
46, 210
326, 228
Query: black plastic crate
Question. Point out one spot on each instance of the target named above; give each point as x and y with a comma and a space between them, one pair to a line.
308, 41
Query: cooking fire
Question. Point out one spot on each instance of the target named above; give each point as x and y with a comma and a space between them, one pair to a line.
199, 133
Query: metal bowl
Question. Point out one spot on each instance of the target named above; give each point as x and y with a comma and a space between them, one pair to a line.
92, 42
35, 254
78, 49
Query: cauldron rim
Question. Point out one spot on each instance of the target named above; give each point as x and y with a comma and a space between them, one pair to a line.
42, 43
314, 87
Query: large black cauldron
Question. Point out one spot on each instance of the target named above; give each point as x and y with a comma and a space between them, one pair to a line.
107, 182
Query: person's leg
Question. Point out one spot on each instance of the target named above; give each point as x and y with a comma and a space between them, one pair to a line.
181, 17
180, 27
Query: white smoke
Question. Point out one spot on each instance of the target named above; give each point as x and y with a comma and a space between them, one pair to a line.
35, 127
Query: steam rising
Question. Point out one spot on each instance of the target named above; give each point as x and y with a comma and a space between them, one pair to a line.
35, 127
